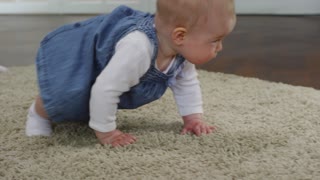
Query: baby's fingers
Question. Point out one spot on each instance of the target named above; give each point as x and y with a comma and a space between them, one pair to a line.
212, 128
197, 130
184, 131
203, 130
208, 130
123, 140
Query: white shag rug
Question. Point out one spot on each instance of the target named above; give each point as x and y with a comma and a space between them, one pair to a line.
265, 131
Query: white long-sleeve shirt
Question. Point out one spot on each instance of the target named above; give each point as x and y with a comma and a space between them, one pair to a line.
130, 62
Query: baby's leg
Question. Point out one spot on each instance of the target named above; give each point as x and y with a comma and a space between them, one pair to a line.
38, 123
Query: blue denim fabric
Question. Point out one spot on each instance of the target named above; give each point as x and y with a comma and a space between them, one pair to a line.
71, 57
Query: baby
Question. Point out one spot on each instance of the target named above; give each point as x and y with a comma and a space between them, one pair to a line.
123, 60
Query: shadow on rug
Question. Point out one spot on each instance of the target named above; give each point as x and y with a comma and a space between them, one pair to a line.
265, 131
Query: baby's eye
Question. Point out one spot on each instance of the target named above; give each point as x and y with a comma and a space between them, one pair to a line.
215, 41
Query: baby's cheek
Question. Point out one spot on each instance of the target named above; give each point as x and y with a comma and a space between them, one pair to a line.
211, 54
208, 57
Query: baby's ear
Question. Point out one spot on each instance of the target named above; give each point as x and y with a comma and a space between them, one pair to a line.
178, 35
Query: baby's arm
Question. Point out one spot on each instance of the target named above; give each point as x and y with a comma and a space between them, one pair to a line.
130, 61
188, 97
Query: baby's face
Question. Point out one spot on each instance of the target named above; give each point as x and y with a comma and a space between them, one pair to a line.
204, 42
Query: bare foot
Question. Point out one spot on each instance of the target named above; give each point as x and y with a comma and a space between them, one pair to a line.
116, 138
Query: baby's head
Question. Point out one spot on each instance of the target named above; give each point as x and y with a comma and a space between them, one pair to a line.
195, 28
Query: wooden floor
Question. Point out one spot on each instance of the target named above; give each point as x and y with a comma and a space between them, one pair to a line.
281, 49
274, 48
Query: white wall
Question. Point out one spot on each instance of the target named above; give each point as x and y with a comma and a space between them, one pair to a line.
104, 6
278, 6
68, 6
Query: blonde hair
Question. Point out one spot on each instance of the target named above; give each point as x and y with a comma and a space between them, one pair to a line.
187, 13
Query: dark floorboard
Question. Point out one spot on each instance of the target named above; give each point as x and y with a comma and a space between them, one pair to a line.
281, 49
275, 48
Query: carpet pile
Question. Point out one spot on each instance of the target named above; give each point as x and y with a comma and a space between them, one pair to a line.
265, 130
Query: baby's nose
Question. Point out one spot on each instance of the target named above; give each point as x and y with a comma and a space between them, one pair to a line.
219, 47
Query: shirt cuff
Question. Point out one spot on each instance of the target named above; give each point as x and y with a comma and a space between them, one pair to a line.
190, 110
102, 127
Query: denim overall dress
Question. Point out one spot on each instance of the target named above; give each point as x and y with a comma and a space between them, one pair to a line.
71, 57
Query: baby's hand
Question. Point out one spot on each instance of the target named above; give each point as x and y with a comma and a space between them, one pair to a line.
193, 123
115, 138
